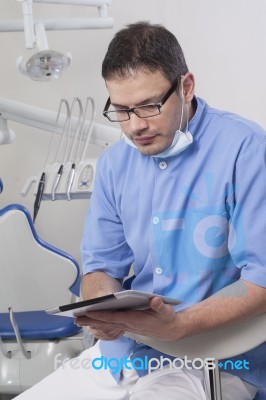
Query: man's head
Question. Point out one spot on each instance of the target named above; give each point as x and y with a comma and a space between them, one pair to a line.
144, 46
141, 67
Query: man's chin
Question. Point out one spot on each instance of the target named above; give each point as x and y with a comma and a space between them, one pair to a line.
149, 150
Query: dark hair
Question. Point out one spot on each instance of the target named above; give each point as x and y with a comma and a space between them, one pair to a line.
143, 45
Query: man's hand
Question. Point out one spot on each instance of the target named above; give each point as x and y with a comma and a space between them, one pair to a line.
236, 302
159, 321
106, 334
95, 285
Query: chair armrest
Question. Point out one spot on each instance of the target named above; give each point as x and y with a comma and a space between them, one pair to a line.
224, 342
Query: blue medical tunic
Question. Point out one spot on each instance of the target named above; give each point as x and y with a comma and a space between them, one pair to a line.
190, 224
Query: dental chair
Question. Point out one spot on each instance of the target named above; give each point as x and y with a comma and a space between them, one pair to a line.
34, 276
226, 342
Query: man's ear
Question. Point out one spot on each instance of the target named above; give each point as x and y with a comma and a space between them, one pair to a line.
188, 87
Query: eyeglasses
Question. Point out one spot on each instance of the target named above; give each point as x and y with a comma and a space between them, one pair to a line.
145, 111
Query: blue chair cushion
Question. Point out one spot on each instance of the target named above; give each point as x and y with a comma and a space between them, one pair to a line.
261, 395
35, 325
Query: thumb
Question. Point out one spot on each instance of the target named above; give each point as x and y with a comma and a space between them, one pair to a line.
157, 305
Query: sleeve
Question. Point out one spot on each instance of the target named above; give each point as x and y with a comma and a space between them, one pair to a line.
103, 246
248, 223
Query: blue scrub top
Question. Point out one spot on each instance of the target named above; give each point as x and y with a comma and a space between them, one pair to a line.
190, 224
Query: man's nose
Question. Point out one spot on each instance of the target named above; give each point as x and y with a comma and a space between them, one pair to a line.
137, 124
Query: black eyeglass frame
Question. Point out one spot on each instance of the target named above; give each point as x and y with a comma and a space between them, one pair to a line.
132, 109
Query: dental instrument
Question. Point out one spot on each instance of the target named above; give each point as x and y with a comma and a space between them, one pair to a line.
38, 198
89, 131
59, 149
61, 168
72, 158
87, 140
41, 184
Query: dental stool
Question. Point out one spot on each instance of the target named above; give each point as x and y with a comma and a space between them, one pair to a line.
34, 276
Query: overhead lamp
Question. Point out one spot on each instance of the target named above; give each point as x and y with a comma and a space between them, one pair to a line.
46, 64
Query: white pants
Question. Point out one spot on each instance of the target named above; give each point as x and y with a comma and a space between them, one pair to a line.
78, 380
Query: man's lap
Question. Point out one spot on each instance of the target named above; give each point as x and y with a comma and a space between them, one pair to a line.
78, 380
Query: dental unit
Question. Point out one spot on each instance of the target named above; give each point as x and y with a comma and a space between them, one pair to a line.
77, 170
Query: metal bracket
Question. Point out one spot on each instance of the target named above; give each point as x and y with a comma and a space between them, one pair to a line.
212, 382
5, 353
26, 354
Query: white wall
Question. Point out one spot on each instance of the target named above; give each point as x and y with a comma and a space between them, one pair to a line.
224, 43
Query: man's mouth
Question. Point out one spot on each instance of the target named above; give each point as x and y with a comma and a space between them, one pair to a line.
144, 140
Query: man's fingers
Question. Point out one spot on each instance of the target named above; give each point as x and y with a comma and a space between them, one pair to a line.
109, 334
157, 304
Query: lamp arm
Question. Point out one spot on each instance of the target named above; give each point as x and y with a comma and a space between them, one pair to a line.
61, 24
22, 113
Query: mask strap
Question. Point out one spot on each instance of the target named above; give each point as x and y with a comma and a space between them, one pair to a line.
182, 106
182, 101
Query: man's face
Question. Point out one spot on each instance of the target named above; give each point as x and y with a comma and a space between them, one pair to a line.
154, 134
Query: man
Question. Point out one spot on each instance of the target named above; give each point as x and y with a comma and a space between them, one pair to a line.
181, 201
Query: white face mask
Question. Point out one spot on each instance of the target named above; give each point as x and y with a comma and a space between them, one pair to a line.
181, 139
180, 142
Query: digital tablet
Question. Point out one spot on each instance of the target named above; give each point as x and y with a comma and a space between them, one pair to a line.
127, 299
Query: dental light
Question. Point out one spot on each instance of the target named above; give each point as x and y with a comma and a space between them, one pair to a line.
47, 64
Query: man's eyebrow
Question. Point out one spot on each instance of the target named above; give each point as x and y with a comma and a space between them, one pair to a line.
149, 100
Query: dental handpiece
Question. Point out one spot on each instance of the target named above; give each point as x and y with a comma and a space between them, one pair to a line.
56, 181
39, 194
70, 180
